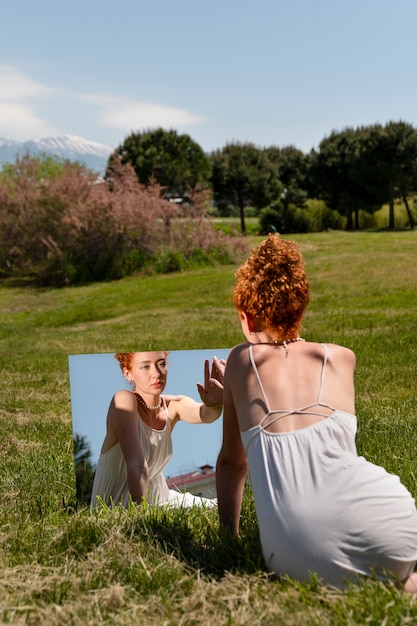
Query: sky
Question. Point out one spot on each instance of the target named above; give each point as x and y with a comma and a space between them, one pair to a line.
95, 378
270, 72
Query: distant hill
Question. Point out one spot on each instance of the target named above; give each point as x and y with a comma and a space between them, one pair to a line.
93, 155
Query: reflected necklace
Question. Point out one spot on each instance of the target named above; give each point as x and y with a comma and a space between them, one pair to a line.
285, 343
148, 406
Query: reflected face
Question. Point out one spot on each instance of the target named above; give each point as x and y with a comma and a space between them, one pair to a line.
149, 371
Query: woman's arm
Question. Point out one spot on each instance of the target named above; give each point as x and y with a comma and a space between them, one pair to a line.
232, 467
124, 419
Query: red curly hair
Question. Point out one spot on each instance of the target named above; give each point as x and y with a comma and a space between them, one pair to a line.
272, 287
125, 358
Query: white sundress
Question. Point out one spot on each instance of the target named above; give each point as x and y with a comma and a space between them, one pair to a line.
110, 479
323, 509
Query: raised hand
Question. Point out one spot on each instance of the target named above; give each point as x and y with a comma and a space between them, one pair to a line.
211, 393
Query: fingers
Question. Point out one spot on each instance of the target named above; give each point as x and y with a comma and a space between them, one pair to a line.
200, 389
206, 373
213, 379
217, 369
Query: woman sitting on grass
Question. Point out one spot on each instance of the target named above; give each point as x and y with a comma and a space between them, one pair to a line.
289, 416
138, 444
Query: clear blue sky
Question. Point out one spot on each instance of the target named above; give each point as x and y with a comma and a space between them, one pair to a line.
273, 72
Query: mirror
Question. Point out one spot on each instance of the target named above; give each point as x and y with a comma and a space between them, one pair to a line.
95, 378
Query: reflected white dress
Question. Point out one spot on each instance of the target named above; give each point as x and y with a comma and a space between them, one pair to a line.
110, 480
323, 509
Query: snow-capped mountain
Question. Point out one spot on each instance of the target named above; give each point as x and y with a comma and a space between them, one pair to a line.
93, 155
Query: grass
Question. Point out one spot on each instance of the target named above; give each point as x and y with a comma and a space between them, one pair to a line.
62, 564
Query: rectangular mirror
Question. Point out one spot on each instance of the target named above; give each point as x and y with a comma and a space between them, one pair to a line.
95, 378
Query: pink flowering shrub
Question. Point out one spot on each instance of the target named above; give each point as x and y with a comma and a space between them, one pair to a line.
64, 226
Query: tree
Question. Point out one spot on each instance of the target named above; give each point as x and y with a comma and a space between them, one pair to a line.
36, 169
366, 167
332, 175
388, 164
291, 165
175, 162
242, 175
84, 470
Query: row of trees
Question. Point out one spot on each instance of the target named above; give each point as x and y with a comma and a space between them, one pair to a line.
351, 171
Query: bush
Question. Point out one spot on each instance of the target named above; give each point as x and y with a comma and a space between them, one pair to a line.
169, 261
269, 221
272, 220
321, 218
315, 217
71, 228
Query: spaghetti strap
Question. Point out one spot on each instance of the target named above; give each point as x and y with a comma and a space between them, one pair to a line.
255, 369
322, 372
165, 407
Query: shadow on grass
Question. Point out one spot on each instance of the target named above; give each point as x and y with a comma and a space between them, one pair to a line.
195, 538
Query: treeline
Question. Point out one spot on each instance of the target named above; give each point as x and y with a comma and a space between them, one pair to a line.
353, 171
61, 225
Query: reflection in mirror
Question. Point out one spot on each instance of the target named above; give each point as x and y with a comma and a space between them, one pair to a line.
95, 378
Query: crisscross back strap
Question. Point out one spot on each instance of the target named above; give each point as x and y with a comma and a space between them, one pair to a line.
281, 413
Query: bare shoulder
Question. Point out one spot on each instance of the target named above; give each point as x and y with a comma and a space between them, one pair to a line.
124, 399
122, 414
337, 353
237, 354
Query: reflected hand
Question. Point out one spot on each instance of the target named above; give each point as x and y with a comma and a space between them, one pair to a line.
212, 392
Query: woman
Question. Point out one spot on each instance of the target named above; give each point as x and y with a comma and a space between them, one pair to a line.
138, 445
289, 416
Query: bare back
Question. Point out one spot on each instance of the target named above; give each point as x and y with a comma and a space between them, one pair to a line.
311, 377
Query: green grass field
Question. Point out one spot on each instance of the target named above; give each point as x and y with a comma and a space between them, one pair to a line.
61, 564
